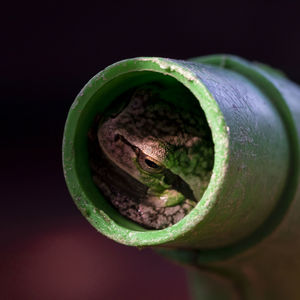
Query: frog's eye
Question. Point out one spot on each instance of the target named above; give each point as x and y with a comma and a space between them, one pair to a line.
149, 164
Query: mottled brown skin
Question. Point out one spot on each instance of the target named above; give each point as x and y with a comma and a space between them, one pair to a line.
153, 161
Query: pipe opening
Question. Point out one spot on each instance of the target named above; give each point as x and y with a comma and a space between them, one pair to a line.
150, 150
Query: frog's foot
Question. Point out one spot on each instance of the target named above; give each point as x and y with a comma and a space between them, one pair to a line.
169, 197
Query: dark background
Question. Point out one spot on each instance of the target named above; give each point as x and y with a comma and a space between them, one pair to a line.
49, 50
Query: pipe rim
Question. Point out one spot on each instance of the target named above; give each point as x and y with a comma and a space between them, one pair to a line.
73, 159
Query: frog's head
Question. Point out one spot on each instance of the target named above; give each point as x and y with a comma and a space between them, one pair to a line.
159, 146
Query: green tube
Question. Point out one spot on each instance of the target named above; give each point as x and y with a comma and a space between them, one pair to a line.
247, 220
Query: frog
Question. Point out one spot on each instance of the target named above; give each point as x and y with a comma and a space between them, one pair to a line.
152, 159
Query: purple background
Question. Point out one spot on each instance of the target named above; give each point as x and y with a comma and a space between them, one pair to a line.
49, 50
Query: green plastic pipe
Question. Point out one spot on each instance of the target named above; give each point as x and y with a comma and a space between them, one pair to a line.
243, 237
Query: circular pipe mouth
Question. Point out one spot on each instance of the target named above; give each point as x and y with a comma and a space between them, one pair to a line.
95, 98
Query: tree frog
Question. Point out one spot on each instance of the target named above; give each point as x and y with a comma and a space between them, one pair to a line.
151, 158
